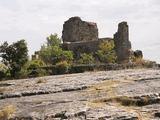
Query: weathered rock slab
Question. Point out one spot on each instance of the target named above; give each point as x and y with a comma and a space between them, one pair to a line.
104, 95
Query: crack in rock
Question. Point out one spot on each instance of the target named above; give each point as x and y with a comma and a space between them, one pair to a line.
24, 94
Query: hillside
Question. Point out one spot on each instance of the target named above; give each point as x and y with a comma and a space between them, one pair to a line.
132, 94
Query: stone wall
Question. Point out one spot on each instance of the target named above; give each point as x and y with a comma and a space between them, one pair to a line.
84, 47
75, 30
122, 43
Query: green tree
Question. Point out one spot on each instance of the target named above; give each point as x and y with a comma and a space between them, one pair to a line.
14, 56
53, 40
106, 52
52, 53
86, 59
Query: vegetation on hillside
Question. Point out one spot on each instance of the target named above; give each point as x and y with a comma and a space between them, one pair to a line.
106, 52
52, 53
52, 59
14, 56
86, 59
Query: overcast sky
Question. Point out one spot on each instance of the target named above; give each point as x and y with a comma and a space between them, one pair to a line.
34, 20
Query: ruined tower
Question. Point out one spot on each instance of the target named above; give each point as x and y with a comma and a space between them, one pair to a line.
76, 30
122, 43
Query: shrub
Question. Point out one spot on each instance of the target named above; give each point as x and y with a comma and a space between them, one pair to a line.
107, 45
139, 61
61, 68
51, 54
109, 57
67, 56
86, 59
3, 71
33, 69
36, 64
54, 54
106, 52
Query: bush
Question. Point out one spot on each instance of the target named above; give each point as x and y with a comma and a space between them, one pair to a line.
67, 56
54, 54
61, 68
51, 54
86, 59
3, 71
33, 69
106, 52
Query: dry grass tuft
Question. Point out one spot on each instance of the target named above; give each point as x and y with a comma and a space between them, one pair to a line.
107, 87
6, 112
95, 104
41, 81
2, 90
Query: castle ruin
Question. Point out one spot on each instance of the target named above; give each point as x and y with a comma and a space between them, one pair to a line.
122, 43
76, 30
81, 36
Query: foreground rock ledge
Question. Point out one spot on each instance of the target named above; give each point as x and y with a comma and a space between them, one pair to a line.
107, 95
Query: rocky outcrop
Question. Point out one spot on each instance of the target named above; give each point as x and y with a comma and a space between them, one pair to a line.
122, 43
75, 30
138, 54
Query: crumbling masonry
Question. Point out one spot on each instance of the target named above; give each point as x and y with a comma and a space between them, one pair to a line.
81, 36
122, 43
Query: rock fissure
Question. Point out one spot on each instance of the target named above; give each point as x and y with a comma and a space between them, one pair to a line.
24, 94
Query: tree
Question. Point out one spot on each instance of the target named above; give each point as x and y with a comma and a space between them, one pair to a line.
53, 40
52, 53
14, 56
106, 52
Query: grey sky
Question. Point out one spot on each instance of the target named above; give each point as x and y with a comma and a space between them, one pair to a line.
34, 20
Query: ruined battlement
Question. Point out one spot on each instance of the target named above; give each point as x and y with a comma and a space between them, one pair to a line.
80, 36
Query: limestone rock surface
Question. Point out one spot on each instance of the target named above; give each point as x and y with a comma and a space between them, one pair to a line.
132, 94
